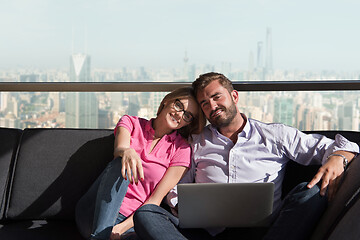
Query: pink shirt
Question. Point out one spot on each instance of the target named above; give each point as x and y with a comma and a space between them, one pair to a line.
171, 150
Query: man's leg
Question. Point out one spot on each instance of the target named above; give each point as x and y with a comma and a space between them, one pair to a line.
97, 210
299, 214
154, 222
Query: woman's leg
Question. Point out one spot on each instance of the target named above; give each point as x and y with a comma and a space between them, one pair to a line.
154, 222
97, 210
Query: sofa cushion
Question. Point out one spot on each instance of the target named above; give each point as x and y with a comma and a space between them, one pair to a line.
40, 230
9, 139
54, 168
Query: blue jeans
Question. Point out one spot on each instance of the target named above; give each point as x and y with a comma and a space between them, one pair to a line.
154, 222
299, 213
98, 210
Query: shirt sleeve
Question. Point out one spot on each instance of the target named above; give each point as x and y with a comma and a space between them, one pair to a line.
310, 149
127, 122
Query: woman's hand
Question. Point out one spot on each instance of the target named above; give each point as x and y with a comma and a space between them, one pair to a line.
131, 166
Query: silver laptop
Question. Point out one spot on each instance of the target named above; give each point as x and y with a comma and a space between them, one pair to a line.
204, 205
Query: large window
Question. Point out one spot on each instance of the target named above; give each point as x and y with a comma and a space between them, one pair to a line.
175, 41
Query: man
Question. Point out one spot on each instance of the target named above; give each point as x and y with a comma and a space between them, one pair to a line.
234, 148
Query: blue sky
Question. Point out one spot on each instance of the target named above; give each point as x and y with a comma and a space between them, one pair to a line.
306, 35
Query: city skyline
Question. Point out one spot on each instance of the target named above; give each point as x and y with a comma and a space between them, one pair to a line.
306, 35
306, 110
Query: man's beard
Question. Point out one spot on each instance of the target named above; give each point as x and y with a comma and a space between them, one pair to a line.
230, 114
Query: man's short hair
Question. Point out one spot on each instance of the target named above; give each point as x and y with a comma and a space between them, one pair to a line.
205, 79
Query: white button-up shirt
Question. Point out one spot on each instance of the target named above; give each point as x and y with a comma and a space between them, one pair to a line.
259, 155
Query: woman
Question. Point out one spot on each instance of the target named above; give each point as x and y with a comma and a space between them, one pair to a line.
150, 157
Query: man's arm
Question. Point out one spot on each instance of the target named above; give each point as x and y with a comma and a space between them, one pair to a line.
309, 149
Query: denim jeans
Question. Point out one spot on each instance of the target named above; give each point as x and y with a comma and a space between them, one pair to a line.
299, 213
154, 222
98, 210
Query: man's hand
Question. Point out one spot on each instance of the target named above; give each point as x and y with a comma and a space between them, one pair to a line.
331, 174
131, 166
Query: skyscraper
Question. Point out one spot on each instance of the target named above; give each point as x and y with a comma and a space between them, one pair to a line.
260, 57
3, 101
268, 62
348, 116
251, 62
283, 110
81, 108
186, 70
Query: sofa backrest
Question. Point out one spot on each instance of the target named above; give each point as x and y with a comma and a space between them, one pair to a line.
54, 168
9, 139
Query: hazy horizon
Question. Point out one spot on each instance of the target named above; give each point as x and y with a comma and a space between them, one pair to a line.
306, 35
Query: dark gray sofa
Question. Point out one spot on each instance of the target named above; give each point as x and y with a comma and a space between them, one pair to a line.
44, 172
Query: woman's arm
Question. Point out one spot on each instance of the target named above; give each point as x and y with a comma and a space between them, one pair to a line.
122, 141
171, 177
131, 162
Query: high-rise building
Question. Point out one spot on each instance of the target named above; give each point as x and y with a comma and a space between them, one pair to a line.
156, 99
251, 62
105, 118
268, 61
283, 110
10, 121
348, 116
260, 57
29, 78
3, 101
260, 69
81, 108
55, 101
80, 68
186, 70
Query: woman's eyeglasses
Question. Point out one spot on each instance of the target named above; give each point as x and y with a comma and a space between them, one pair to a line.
179, 107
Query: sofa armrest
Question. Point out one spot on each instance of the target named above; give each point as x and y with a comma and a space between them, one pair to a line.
9, 139
343, 205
